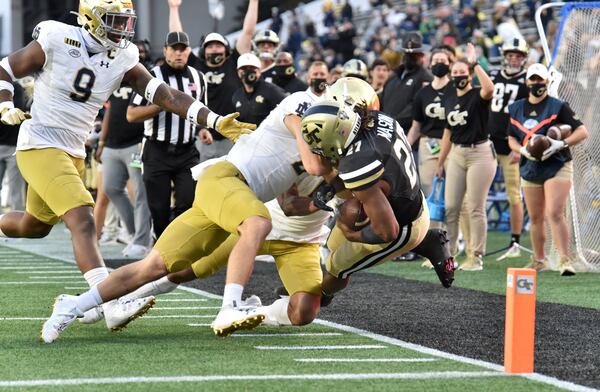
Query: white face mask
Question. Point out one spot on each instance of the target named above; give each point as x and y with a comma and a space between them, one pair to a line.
91, 44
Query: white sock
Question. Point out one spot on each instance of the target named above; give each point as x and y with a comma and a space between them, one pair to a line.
277, 312
96, 275
89, 299
1, 232
232, 294
160, 286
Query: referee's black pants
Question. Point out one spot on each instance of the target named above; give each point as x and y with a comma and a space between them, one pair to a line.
164, 165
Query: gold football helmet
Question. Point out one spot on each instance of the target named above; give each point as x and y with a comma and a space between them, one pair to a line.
517, 45
355, 68
268, 36
353, 92
329, 127
111, 22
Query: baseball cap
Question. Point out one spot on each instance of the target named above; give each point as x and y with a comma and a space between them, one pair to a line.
412, 43
248, 59
214, 37
539, 70
177, 37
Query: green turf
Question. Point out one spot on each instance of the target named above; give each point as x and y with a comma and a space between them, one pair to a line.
159, 347
578, 290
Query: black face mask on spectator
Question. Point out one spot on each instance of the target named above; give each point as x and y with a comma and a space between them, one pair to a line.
248, 77
214, 58
440, 69
461, 81
410, 62
537, 89
284, 72
318, 85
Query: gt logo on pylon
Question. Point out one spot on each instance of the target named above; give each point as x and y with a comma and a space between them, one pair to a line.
524, 284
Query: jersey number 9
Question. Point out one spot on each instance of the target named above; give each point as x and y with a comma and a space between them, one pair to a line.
83, 84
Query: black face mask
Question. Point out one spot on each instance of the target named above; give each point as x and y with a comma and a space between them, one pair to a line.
250, 78
460, 82
440, 69
284, 72
318, 85
215, 58
537, 89
410, 62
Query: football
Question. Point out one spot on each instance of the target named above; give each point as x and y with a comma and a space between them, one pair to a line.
537, 145
353, 215
559, 131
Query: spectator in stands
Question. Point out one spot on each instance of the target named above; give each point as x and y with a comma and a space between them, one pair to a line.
218, 62
379, 74
399, 91
265, 45
285, 74
472, 159
257, 98
546, 183
334, 74
145, 53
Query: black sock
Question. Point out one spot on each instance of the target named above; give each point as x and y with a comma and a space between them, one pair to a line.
515, 238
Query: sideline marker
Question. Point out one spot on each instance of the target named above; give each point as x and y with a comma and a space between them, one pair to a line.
519, 331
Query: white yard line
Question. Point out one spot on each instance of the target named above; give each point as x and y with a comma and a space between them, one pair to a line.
332, 347
185, 308
199, 325
17, 266
364, 359
243, 335
176, 316
71, 271
76, 288
38, 282
160, 299
334, 376
22, 318
55, 277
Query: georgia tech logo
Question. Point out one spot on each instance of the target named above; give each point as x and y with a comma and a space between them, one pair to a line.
435, 110
310, 132
260, 99
457, 118
214, 77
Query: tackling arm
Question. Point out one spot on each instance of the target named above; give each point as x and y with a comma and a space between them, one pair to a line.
292, 204
314, 164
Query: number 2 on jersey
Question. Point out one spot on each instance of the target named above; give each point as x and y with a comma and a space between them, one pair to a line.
83, 84
404, 154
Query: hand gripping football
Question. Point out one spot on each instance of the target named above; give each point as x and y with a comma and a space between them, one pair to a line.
537, 145
353, 215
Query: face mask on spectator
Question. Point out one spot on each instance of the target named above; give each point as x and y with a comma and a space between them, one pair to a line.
440, 69
318, 85
537, 89
250, 78
460, 81
284, 72
410, 62
214, 58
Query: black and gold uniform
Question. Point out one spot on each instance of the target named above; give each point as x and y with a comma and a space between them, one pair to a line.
254, 107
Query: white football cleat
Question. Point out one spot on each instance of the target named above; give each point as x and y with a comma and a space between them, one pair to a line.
64, 313
231, 319
92, 316
119, 313
252, 301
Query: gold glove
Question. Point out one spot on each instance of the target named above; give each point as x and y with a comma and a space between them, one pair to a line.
232, 129
10, 115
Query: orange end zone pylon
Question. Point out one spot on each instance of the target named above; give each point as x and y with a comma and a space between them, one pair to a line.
519, 329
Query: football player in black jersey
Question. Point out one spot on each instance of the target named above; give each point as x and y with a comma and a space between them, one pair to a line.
375, 163
509, 86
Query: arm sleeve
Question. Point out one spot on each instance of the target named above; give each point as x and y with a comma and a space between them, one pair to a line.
567, 116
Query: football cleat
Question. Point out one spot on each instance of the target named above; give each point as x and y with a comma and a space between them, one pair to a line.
252, 301
435, 247
119, 313
231, 319
92, 316
64, 313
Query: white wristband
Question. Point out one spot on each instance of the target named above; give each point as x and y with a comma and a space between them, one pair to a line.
6, 105
4, 85
212, 119
193, 110
151, 88
6, 65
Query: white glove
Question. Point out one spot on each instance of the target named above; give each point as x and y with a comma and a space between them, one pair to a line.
526, 153
555, 146
10, 115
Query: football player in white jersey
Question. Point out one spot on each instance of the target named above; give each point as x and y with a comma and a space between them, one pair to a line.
76, 69
229, 199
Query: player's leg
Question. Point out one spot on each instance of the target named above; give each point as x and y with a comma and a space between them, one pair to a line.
158, 179
115, 181
512, 181
141, 211
535, 202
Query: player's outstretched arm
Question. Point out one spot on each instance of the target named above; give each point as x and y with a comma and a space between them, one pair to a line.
157, 92
174, 19
244, 42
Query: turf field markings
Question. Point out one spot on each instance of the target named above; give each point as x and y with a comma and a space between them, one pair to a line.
22, 318
333, 376
173, 293
185, 307
363, 359
39, 282
8, 266
76, 288
56, 277
175, 316
182, 300
301, 334
71, 271
199, 325
333, 347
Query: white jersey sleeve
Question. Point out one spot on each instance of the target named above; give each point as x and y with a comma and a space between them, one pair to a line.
71, 88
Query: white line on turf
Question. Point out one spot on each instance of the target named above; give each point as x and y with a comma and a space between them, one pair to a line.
345, 347
33, 266
76, 288
55, 277
21, 318
363, 359
173, 293
176, 316
199, 325
38, 282
71, 271
334, 376
183, 300
185, 307
243, 335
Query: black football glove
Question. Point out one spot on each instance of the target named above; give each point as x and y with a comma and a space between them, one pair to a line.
322, 195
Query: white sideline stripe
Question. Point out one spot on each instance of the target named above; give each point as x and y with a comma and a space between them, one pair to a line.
48, 282
185, 307
334, 376
199, 325
183, 300
71, 271
22, 318
55, 277
180, 316
76, 288
348, 347
362, 359
243, 335
570, 386
9, 266
172, 294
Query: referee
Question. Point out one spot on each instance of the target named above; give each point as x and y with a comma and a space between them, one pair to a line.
169, 150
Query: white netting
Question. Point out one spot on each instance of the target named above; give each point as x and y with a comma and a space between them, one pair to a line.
577, 58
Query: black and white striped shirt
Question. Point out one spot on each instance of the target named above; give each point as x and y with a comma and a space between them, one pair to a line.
167, 126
